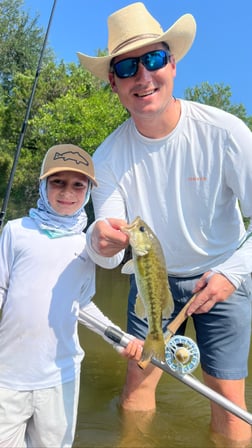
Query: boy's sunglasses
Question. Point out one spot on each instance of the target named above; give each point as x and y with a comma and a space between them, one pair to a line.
153, 60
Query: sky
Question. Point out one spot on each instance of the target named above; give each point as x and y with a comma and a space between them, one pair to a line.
221, 52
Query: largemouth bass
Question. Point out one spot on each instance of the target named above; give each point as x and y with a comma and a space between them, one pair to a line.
154, 299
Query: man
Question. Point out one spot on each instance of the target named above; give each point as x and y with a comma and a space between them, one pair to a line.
182, 167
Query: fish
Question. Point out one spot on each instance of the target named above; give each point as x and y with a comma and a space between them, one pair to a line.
154, 299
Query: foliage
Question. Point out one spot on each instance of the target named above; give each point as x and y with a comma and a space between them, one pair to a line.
21, 42
217, 95
76, 115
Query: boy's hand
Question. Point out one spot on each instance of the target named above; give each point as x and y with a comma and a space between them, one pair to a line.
133, 350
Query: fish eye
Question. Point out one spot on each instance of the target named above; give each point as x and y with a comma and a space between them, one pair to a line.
142, 229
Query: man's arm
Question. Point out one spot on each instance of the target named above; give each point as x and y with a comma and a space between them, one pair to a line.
219, 283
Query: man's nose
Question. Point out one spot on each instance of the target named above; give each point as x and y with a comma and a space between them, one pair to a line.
142, 72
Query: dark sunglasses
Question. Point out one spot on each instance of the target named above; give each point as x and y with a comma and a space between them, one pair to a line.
153, 60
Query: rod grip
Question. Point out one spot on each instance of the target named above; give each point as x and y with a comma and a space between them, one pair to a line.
114, 334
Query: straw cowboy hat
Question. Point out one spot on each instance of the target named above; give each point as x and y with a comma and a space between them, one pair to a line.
133, 27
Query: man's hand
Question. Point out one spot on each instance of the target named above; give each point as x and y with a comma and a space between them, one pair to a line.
210, 288
107, 238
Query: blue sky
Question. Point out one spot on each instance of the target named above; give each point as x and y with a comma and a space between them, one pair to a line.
221, 53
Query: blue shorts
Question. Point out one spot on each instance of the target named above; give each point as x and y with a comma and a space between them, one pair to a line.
222, 334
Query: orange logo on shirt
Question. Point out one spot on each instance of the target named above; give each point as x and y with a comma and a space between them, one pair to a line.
197, 178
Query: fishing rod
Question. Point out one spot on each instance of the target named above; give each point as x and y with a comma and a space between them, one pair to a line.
25, 122
122, 339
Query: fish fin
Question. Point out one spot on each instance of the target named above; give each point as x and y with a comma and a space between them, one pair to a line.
153, 346
128, 268
144, 364
167, 305
140, 308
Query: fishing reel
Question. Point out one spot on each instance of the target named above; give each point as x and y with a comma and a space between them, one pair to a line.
182, 354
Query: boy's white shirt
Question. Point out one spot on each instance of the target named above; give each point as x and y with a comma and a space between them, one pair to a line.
43, 284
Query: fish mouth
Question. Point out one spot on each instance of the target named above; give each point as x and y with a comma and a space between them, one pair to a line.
128, 227
124, 230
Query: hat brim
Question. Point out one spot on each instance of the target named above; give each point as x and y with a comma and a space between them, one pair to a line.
59, 169
179, 37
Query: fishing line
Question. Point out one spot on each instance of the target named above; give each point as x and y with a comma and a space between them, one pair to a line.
24, 125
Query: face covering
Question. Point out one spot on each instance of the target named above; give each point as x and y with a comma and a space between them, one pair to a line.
53, 224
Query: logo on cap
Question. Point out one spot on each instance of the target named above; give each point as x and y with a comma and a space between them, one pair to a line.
73, 156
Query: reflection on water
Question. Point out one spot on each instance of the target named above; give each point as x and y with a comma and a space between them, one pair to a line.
182, 415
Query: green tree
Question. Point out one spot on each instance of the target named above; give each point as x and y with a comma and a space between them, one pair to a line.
217, 95
84, 115
21, 41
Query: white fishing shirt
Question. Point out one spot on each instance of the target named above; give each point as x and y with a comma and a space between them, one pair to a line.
186, 186
43, 284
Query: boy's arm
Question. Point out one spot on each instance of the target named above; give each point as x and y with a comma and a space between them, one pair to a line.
134, 347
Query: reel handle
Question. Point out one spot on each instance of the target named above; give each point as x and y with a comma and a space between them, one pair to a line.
180, 318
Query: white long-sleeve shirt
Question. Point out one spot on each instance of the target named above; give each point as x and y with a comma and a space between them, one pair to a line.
43, 284
186, 186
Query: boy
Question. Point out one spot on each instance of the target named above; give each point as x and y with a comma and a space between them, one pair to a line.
46, 276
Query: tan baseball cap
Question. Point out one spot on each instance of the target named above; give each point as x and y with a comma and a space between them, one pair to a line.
67, 157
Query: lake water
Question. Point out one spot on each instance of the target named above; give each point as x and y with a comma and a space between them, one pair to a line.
182, 415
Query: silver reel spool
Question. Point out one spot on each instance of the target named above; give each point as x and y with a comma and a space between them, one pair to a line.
182, 354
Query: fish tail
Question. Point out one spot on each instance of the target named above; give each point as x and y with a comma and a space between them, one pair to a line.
154, 346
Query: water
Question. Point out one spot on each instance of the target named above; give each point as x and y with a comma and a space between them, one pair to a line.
182, 416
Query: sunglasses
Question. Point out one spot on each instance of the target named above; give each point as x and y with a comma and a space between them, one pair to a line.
153, 60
